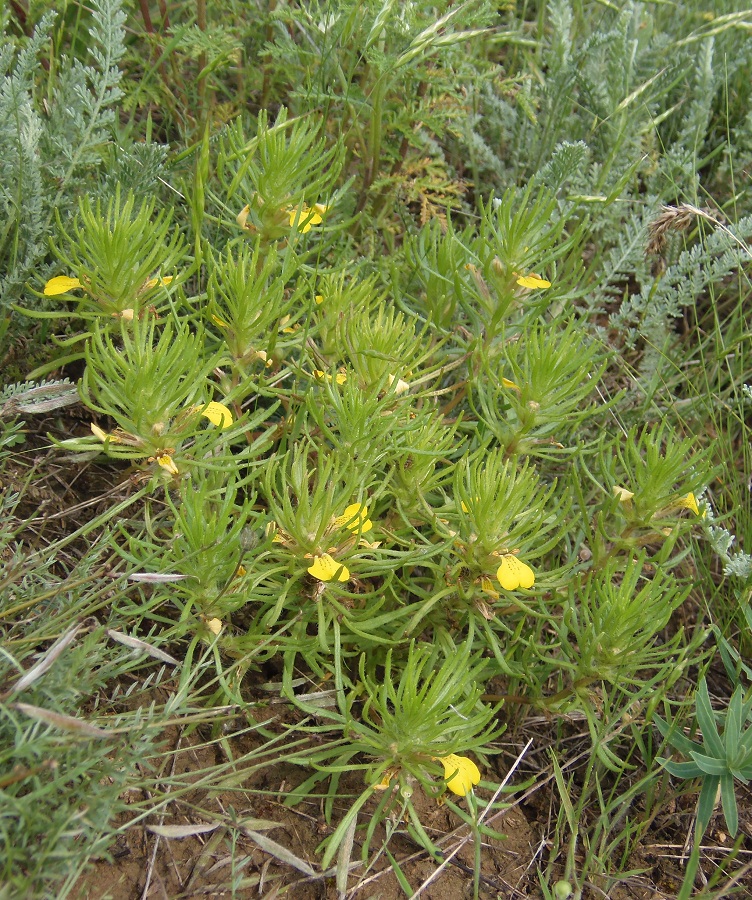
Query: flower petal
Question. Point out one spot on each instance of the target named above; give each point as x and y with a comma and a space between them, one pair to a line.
325, 569
158, 279
513, 573
689, 502
167, 462
510, 385
61, 285
242, 217
355, 517
386, 780
214, 625
533, 281
218, 414
487, 585
103, 435
461, 773
304, 217
340, 377
401, 387
623, 495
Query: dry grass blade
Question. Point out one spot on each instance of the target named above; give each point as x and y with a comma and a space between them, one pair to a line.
59, 720
343, 858
47, 660
181, 831
156, 578
137, 644
280, 853
260, 825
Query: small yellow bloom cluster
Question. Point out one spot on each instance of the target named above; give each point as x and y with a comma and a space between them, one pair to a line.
62, 284
217, 413
511, 574
460, 772
324, 566
305, 217
302, 217
688, 501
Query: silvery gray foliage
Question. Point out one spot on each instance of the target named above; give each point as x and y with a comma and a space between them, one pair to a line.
736, 563
721, 253
53, 136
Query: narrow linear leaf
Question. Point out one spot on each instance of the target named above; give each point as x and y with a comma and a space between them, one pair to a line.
181, 831
279, 852
60, 720
137, 644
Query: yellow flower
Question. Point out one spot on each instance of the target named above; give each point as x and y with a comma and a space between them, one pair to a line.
325, 569
278, 536
103, 435
242, 218
623, 495
533, 281
340, 377
460, 772
61, 285
689, 502
510, 385
487, 585
153, 282
319, 298
214, 625
166, 461
386, 780
401, 387
118, 436
217, 413
513, 573
305, 217
355, 517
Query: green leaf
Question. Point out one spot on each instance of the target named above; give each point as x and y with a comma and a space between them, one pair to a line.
706, 804
399, 874
734, 725
339, 834
681, 769
709, 764
707, 722
728, 801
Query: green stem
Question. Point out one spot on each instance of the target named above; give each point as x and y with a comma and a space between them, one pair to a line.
374, 140
201, 22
